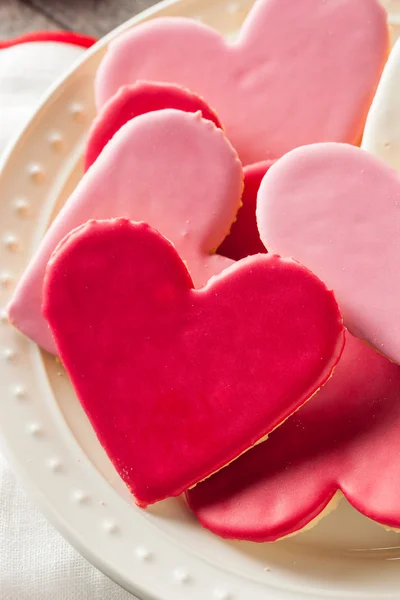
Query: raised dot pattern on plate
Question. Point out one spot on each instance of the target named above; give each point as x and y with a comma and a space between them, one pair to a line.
55, 465
181, 576
143, 553
35, 172
11, 242
77, 110
21, 206
9, 354
35, 430
56, 140
19, 392
5, 279
110, 527
233, 7
81, 497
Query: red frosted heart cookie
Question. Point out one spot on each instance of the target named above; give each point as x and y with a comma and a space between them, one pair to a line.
244, 239
300, 71
335, 208
346, 438
171, 169
176, 381
133, 100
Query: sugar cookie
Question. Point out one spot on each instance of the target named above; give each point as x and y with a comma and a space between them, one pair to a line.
176, 381
171, 169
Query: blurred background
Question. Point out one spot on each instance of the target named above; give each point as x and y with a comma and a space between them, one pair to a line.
93, 17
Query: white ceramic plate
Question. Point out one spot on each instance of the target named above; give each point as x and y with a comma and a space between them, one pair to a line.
161, 553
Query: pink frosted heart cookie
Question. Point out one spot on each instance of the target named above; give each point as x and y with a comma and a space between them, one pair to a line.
137, 99
146, 96
336, 209
346, 438
300, 72
171, 169
158, 366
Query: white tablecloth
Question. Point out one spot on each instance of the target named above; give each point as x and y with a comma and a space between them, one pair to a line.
36, 563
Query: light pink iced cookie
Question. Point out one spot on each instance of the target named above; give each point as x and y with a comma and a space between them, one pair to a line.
171, 169
300, 72
336, 209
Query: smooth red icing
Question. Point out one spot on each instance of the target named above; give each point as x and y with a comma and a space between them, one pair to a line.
133, 100
345, 438
176, 381
243, 239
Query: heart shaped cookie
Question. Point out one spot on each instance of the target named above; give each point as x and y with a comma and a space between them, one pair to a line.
159, 366
146, 96
336, 209
171, 169
243, 239
300, 72
137, 99
346, 438
382, 129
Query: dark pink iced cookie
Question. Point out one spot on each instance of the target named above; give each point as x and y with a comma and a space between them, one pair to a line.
346, 438
244, 238
177, 382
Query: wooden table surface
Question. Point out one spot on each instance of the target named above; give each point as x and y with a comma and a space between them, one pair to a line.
94, 17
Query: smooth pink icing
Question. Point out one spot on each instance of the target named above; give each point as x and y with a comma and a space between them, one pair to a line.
176, 381
336, 209
301, 71
145, 96
136, 99
347, 438
171, 169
